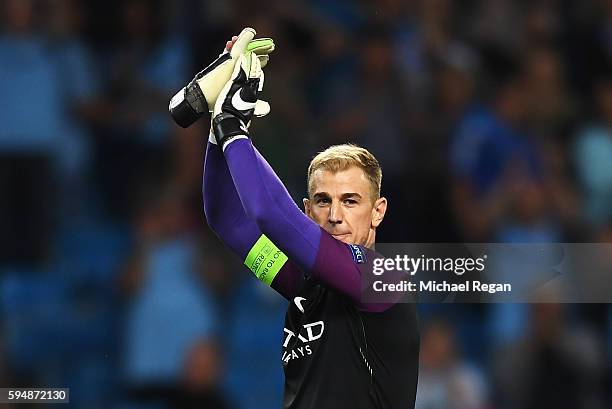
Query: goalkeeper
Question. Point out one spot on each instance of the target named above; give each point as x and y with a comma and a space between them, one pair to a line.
337, 352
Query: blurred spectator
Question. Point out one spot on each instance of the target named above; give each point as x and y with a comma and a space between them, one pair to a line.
528, 219
80, 87
170, 339
146, 68
201, 377
453, 97
32, 121
498, 25
543, 23
491, 150
423, 37
552, 113
550, 104
509, 186
555, 365
32, 128
255, 317
592, 151
446, 381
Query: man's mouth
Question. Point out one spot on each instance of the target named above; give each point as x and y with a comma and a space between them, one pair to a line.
340, 236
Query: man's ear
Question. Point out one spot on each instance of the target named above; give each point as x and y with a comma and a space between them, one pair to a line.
378, 211
307, 209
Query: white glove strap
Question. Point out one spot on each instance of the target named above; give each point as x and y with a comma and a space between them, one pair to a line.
235, 138
211, 137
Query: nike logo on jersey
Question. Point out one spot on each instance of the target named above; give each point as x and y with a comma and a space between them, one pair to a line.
298, 303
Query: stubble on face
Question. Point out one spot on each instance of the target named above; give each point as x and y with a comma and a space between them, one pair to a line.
341, 203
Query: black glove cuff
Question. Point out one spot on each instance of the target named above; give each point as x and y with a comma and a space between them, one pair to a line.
188, 105
226, 127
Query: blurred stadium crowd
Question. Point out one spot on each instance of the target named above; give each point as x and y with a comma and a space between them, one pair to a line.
492, 121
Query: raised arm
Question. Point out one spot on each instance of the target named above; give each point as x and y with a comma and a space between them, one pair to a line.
227, 218
266, 200
222, 206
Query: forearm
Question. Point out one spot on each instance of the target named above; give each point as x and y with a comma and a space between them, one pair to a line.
222, 206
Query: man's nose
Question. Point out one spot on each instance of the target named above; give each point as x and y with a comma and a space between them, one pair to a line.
335, 213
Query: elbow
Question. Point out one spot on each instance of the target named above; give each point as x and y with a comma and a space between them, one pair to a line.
261, 220
271, 219
270, 223
260, 216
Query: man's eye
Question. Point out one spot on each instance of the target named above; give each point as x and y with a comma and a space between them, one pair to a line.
350, 202
323, 201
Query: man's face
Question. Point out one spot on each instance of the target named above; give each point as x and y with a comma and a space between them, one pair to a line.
342, 204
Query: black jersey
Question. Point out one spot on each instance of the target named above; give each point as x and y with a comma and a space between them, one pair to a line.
336, 356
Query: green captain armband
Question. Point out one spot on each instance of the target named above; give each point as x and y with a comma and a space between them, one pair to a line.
265, 259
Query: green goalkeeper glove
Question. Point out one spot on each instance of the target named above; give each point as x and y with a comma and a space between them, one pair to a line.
200, 95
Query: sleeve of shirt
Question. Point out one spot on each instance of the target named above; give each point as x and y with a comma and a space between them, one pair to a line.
266, 201
228, 220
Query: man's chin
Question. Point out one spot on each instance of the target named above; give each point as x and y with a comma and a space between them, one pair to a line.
345, 238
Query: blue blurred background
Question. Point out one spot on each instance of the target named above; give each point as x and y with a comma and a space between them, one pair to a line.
492, 121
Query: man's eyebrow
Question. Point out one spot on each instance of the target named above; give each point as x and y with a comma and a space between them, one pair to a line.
344, 196
321, 194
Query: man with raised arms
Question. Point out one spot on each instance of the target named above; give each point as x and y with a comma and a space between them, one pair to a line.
337, 351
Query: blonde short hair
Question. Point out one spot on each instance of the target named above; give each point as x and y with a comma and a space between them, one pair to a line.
341, 157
